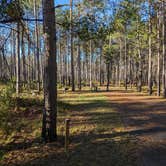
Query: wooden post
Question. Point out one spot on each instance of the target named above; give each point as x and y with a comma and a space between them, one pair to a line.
67, 126
17, 103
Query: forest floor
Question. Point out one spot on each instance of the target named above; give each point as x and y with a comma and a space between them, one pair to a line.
144, 117
107, 128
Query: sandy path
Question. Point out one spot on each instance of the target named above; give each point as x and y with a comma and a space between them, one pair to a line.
145, 118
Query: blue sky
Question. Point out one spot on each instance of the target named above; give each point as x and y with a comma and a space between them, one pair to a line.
57, 2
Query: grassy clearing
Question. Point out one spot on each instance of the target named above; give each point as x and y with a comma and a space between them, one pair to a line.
95, 134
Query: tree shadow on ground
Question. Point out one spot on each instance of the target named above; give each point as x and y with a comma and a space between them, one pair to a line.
85, 149
102, 145
91, 147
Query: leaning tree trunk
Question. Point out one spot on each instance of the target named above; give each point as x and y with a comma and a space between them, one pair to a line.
37, 68
49, 132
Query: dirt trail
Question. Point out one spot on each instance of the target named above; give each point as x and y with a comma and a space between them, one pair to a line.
145, 118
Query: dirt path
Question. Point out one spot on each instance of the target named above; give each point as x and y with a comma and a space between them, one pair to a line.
145, 118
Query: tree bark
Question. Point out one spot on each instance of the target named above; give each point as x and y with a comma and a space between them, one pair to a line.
79, 66
90, 65
18, 60
158, 54
37, 47
120, 61
164, 48
150, 53
125, 63
71, 43
49, 132
108, 75
23, 59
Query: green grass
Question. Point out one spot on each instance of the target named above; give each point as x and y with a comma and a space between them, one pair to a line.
96, 133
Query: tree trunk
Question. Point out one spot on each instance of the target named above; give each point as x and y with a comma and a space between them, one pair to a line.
100, 64
90, 65
37, 47
150, 53
164, 47
29, 61
108, 75
120, 62
79, 66
18, 60
140, 71
23, 58
49, 132
71, 42
125, 63
158, 54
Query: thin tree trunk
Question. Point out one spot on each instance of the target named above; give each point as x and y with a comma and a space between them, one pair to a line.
150, 52
100, 63
37, 47
18, 60
125, 63
90, 65
71, 42
164, 48
23, 58
140, 71
108, 75
158, 54
79, 66
120, 63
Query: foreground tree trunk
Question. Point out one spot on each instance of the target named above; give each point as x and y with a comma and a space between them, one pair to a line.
50, 74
